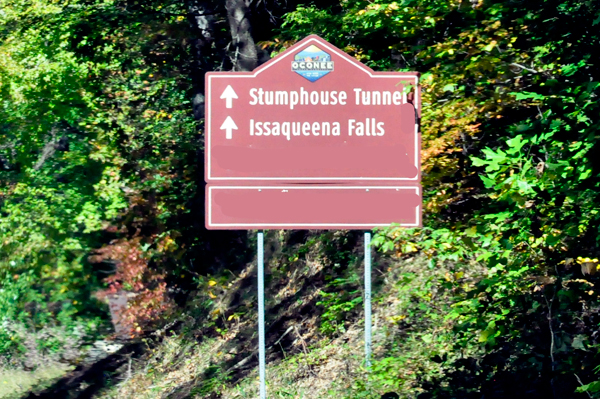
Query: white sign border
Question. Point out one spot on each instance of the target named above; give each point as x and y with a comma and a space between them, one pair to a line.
259, 70
313, 225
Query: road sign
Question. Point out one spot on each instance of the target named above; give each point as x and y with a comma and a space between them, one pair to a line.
312, 114
313, 139
311, 206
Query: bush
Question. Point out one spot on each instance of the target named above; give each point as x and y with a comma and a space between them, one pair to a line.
36, 329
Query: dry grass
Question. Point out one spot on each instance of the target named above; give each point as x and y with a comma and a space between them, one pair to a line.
14, 383
323, 372
311, 367
176, 362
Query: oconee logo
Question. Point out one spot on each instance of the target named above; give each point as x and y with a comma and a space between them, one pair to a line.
312, 63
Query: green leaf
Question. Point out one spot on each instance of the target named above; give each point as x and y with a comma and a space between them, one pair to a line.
515, 144
525, 95
449, 87
488, 182
485, 334
585, 174
591, 387
478, 161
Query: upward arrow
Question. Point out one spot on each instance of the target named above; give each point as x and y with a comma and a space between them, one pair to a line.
229, 94
228, 126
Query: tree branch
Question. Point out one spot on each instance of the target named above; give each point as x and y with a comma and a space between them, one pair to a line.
51, 147
524, 67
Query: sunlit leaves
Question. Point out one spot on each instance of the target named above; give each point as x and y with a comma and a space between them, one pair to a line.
93, 123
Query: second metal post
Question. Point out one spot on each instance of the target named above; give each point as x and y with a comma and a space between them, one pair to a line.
261, 315
368, 299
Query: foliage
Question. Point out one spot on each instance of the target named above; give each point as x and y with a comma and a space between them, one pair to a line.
134, 277
96, 143
339, 305
508, 142
99, 156
341, 297
35, 330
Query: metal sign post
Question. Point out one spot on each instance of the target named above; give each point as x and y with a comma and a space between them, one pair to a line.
261, 314
368, 333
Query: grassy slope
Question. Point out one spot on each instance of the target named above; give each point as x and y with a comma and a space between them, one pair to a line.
409, 330
14, 383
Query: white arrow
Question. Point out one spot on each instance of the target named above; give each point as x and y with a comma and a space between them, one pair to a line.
228, 126
229, 94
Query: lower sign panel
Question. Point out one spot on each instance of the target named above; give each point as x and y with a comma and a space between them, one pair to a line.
311, 207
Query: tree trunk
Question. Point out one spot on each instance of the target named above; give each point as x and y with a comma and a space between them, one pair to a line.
246, 57
201, 16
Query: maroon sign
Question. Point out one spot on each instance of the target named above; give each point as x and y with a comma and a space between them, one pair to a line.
311, 207
312, 139
312, 114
